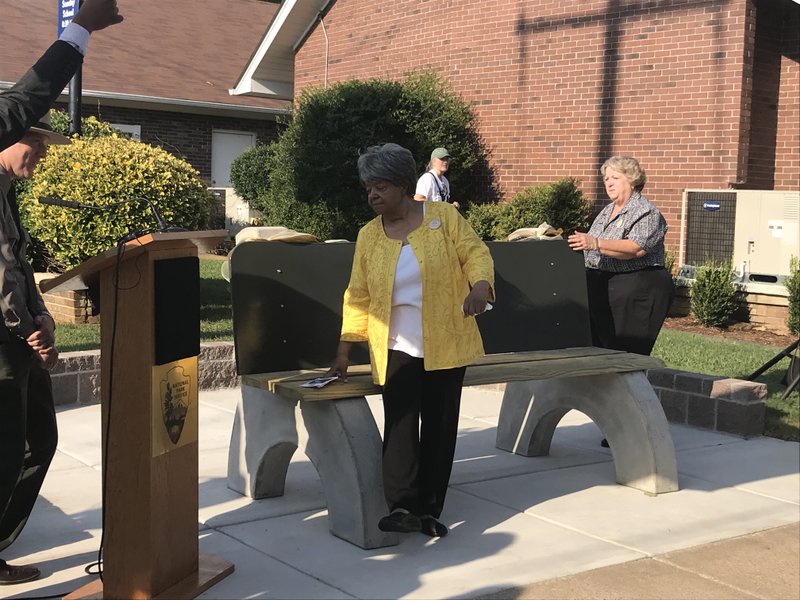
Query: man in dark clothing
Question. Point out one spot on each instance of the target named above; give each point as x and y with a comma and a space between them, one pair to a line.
28, 433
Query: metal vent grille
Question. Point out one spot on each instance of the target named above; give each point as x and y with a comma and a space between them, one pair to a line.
791, 206
710, 226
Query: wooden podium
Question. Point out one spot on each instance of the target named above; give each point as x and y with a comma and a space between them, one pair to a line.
149, 413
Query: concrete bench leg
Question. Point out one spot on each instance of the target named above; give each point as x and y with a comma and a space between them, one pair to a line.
623, 406
263, 441
345, 446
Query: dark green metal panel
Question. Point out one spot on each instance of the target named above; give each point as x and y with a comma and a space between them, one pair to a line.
287, 302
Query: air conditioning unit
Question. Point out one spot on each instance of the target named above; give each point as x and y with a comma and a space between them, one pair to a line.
757, 231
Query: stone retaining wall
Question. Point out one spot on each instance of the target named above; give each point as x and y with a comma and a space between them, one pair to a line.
716, 403
707, 401
76, 378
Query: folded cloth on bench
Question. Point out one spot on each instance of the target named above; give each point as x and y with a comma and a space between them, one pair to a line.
274, 234
545, 231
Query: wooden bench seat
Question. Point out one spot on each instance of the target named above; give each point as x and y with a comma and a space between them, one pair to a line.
492, 368
286, 308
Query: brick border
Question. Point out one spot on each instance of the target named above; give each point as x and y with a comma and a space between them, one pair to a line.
76, 377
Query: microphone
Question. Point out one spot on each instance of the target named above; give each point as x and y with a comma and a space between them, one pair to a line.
52, 201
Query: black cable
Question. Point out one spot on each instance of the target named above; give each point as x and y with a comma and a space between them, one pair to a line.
107, 428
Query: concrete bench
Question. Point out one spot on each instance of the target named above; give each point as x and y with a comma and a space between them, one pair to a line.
286, 305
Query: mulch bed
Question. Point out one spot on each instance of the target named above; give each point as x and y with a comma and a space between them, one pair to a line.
745, 332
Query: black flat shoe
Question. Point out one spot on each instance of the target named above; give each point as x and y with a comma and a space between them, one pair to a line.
13, 574
400, 522
432, 527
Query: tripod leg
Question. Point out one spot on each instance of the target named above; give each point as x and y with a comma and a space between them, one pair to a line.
790, 388
785, 352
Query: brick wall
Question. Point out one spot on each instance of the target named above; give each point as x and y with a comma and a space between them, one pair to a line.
558, 87
185, 135
774, 153
787, 142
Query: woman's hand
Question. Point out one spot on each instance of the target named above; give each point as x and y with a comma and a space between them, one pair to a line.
475, 302
583, 241
341, 362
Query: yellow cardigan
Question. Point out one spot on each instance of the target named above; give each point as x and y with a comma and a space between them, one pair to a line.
451, 256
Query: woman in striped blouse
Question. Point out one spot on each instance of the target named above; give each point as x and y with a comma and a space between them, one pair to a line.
629, 289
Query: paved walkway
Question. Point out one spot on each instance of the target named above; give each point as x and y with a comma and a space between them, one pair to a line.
548, 527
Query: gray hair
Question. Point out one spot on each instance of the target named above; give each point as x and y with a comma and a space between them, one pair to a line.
389, 162
628, 166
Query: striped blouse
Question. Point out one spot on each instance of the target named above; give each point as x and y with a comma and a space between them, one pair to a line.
639, 221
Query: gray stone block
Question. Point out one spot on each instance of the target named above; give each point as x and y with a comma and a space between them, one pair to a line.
89, 387
65, 388
692, 382
662, 377
216, 351
739, 418
675, 405
217, 374
701, 411
737, 390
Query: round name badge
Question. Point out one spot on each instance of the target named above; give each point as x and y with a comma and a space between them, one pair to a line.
435, 224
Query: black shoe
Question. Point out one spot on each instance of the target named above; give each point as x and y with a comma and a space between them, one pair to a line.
11, 574
400, 521
432, 527
604, 443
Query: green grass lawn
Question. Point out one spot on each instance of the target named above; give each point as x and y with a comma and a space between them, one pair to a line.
728, 358
679, 350
215, 314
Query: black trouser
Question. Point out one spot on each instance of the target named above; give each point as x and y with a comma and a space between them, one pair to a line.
417, 460
627, 310
28, 435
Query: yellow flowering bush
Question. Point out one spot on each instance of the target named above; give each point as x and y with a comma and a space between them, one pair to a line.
101, 171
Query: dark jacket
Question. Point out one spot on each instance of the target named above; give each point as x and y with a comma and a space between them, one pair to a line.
21, 107
30, 98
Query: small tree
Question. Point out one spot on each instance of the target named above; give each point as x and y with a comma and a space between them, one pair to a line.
250, 174
792, 284
713, 294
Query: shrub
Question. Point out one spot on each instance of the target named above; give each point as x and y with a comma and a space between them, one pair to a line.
313, 183
91, 127
669, 262
713, 294
483, 218
249, 173
101, 171
792, 284
561, 204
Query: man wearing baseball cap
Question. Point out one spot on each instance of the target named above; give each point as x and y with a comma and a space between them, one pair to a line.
28, 433
433, 185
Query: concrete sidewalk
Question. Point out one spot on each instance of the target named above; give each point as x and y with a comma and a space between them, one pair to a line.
548, 527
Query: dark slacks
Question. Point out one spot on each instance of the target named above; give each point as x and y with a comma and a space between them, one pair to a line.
417, 460
627, 310
28, 435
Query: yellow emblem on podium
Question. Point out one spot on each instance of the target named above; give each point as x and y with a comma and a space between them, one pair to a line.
174, 405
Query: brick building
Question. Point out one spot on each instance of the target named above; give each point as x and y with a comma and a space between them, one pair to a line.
705, 93
163, 74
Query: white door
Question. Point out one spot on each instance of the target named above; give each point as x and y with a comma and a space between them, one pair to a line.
226, 146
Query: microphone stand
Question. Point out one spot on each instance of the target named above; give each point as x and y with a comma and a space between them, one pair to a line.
162, 225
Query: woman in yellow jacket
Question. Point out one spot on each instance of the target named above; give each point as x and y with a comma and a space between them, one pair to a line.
420, 274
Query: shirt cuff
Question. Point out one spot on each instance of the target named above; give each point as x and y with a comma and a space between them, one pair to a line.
77, 37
